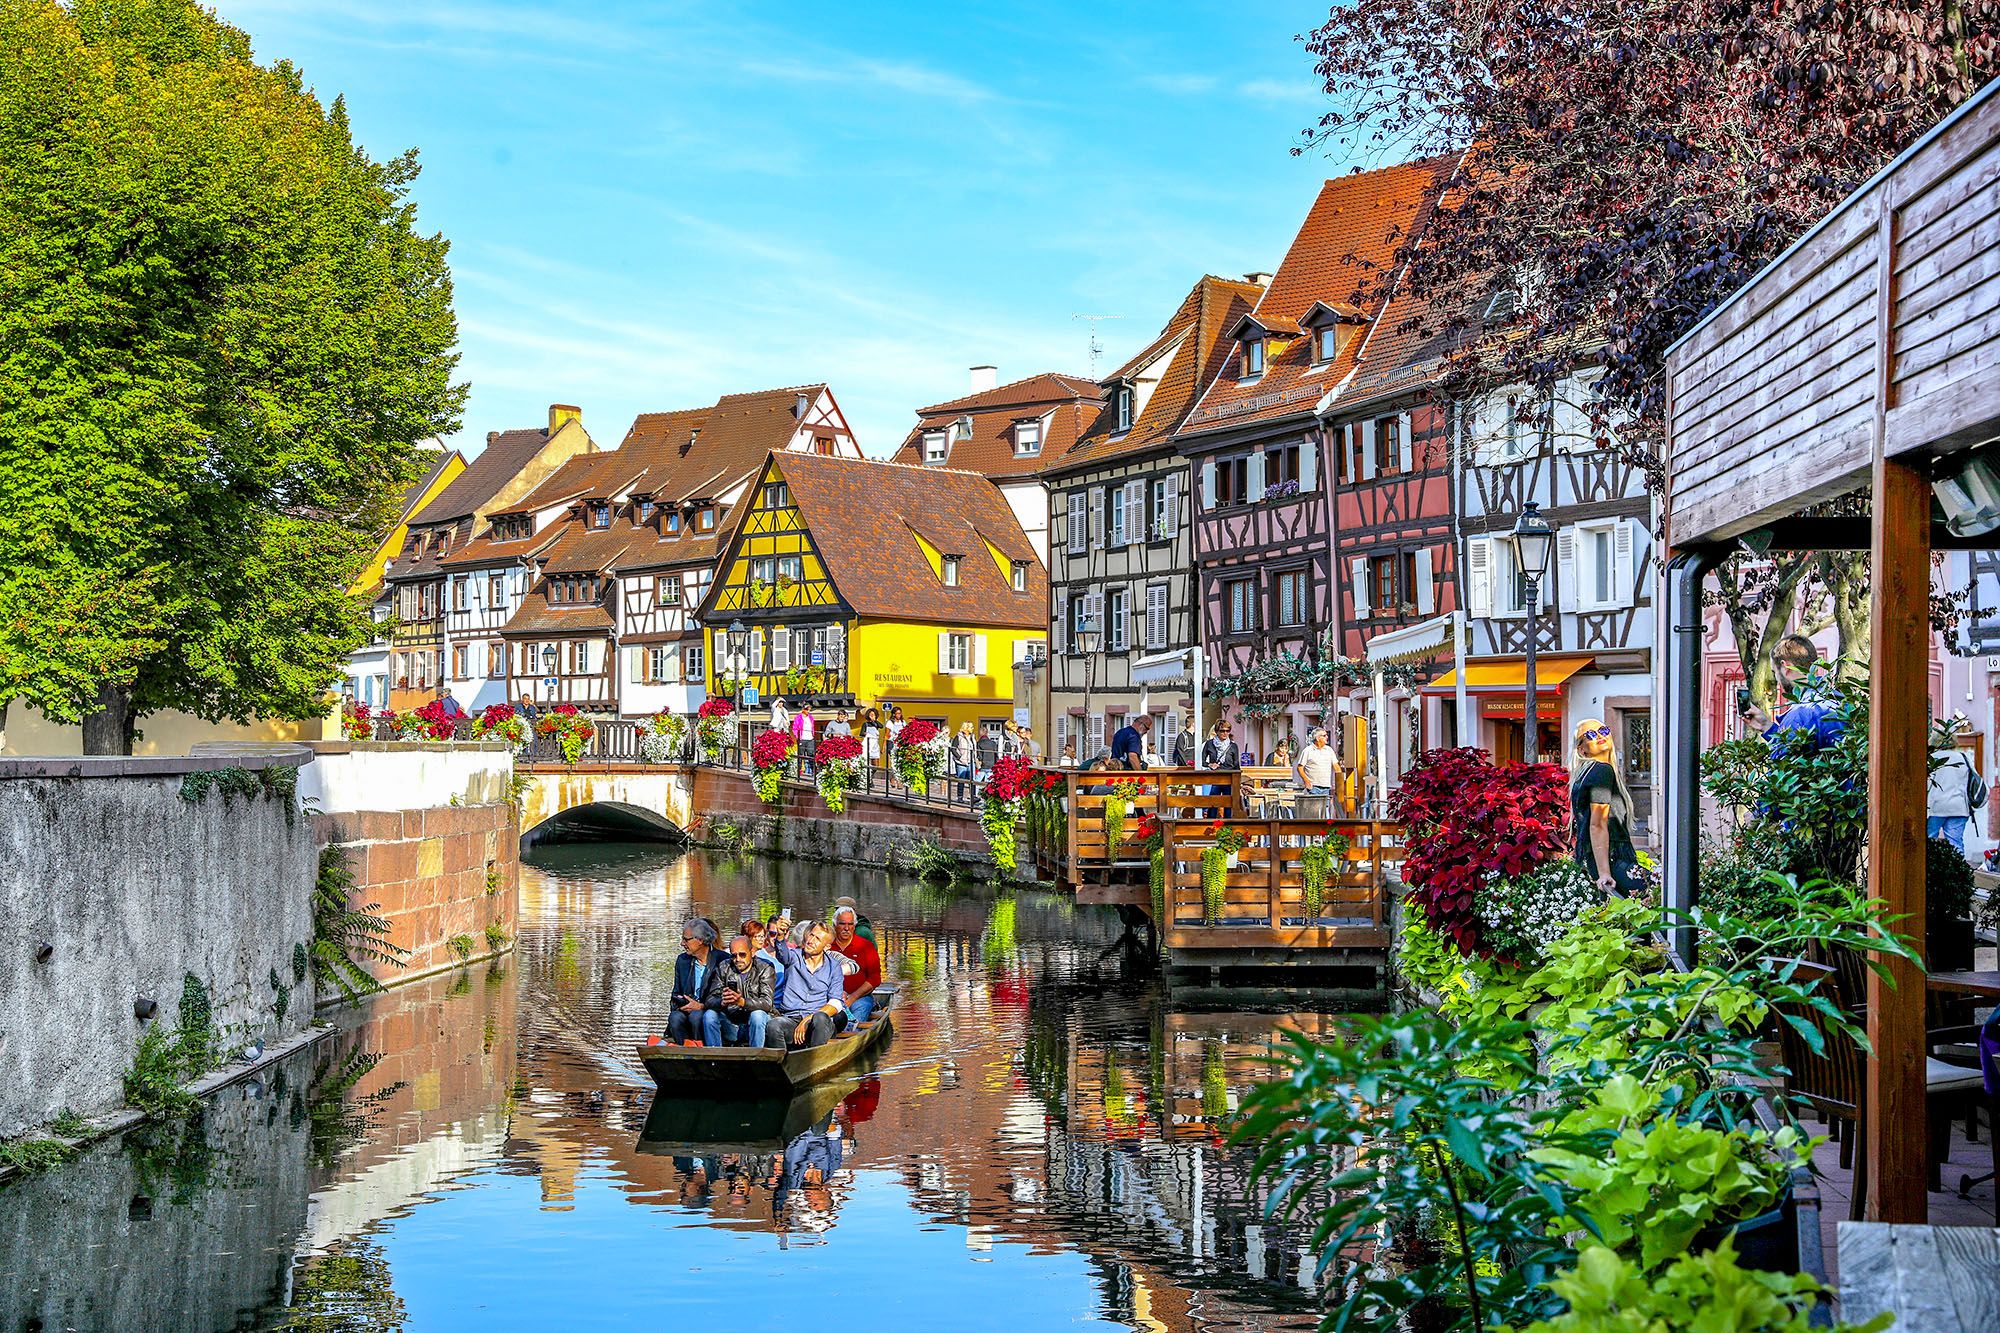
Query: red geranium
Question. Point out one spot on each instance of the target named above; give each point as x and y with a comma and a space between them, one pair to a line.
771, 749
1471, 823
434, 723
1010, 779
494, 714
833, 749
717, 707
358, 722
917, 732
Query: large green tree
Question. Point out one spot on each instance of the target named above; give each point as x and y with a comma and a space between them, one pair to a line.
220, 335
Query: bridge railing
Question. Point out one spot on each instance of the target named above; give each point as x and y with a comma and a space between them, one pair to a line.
1068, 833
949, 790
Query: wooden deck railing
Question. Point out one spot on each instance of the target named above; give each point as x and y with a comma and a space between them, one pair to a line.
1264, 894
1066, 827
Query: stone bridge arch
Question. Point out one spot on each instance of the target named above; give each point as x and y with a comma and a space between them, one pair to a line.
655, 803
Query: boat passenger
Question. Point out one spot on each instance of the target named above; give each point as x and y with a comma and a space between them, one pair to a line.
813, 1005
740, 996
862, 925
767, 946
691, 971
867, 976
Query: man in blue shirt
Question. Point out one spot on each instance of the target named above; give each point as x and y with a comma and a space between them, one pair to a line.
1813, 710
813, 1005
1128, 747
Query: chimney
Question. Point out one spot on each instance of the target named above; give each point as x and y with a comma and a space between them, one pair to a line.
799, 404
561, 412
1257, 279
984, 378
492, 435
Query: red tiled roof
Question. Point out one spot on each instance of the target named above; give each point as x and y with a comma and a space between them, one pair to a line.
579, 549
1198, 332
862, 514
698, 453
1407, 347
537, 616
505, 454
1344, 253
1071, 399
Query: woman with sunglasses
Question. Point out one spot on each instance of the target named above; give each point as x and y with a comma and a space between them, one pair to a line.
1601, 813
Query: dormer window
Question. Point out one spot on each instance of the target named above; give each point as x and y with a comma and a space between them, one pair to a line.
1253, 358
934, 446
600, 514
961, 430
1326, 343
444, 541
950, 571
1020, 579
704, 519
1028, 438
673, 523
646, 509
1123, 408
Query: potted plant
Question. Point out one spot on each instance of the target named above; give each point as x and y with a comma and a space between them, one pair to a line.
769, 754
1152, 836
708, 725
1318, 864
836, 771
1117, 805
660, 737
569, 729
1000, 808
1217, 860
500, 721
1947, 908
919, 754
357, 722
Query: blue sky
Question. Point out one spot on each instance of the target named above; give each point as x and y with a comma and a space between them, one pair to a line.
652, 204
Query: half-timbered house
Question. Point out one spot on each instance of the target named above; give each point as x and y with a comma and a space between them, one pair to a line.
852, 583
1263, 543
1121, 558
1595, 615
1007, 433
366, 673
511, 466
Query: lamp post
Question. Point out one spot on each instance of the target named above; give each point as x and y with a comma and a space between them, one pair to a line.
739, 652
1534, 539
1087, 643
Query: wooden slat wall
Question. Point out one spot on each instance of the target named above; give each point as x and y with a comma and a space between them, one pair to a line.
1773, 402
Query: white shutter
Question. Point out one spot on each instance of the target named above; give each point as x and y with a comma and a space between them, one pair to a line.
1622, 561
1566, 571
1255, 485
1479, 576
1426, 583
1359, 566
1059, 631
781, 649
944, 653
1175, 481
1156, 616
1093, 613
979, 654
1079, 527
1135, 512
1408, 459
638, 657
1096, 516
1058, 522
671, 659
1366, 462
1308, 465
1208, 484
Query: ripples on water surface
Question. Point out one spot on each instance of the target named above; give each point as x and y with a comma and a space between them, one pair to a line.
1034, 1148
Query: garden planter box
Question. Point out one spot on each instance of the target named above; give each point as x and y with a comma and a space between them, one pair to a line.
1768, 1242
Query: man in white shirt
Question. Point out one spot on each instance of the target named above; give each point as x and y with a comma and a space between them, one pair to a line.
1318, 768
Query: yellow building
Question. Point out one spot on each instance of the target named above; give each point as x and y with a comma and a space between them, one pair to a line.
852, 583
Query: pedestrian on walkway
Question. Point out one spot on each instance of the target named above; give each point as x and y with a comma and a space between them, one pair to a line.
1956, 789
1601, 813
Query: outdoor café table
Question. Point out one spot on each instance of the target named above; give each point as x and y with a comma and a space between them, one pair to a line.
1968, 983
1934, 1279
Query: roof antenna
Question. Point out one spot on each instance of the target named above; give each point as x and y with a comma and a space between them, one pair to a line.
1096, 347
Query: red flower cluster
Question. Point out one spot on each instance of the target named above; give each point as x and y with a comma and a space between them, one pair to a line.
771, 749
494, 714
1470, 823
830, 749
917, 732
434, 723
1011, 779
1115, 781
357, 721
564, 718
715, 708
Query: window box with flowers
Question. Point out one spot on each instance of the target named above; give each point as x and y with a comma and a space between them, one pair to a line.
920, 754
661, 736
708, 725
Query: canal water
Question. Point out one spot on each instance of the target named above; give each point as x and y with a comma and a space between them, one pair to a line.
1038, 1146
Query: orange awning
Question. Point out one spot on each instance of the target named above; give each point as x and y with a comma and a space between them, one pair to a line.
1551, 672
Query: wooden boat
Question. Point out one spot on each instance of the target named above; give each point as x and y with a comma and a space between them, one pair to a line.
745, 1071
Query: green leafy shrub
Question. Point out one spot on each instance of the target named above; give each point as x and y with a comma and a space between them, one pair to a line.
30, 1155
496, 937
69, 1124
155, 1082
344, 936
460, 945
1710, 1291
1947, 881
929, 859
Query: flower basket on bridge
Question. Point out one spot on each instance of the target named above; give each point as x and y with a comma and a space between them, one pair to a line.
570, 729
708, 725
499, 721
357, 722
1000, 807
769, 754
920, 754
660, 737
837, 771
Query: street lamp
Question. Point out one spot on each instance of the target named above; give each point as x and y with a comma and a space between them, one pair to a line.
1087, 642
739, 651
1534, 539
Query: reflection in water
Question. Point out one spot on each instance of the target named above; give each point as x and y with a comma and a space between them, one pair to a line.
1039, 1144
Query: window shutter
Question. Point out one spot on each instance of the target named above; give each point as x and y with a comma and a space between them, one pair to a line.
1093, 612
670, 658
1135, 512
1255, 485
979, 654
1359, 565
781, 649
1366, 430
1208, 484
1426, 583
1156, 616
1309, 464
1059, 631
1623, 558
1175, 480
1407, 459
1096, 516
1568, 594
944, 653
638, 657
1479, 576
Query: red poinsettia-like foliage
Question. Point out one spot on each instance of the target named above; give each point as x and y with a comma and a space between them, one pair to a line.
1471, 822
771, 749
1010, 779
434, 723
917, 732
715, 708
494, 714
832, 749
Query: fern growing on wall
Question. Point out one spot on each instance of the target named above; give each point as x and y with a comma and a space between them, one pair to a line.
346, 937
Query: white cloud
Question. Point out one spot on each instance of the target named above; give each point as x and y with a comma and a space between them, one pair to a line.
1281, 91
898, 76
